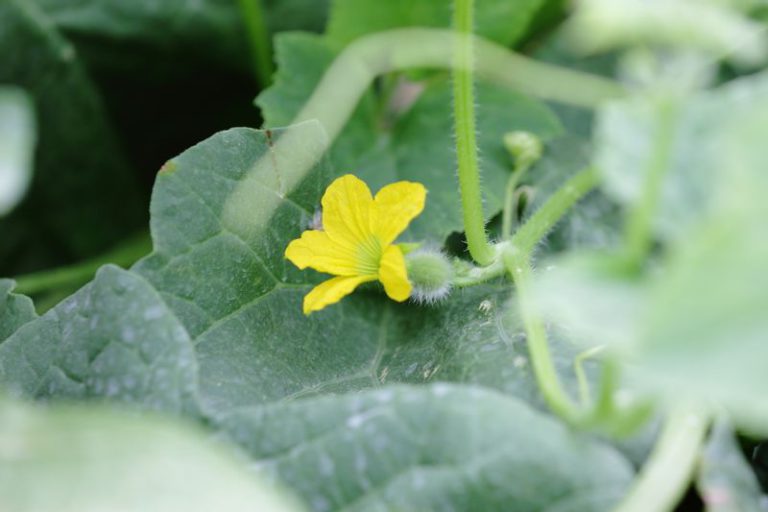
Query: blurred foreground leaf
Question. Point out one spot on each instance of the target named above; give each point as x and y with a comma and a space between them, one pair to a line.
80, 459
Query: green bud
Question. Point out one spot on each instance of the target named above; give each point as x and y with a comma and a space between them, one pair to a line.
431, 275
525, 148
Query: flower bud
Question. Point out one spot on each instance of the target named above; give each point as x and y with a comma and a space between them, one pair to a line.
431, 275
525, 148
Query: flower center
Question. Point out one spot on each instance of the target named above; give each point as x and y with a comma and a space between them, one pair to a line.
369, 253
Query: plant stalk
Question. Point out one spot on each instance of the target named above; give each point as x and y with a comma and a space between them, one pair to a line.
466, 143
667, 472
258, 40
75, 275
547, 378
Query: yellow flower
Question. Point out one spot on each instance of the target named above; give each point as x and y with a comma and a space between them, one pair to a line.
357, 242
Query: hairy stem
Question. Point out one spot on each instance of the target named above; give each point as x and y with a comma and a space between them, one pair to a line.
667, 472
536, 227
511, 202
258, 39
466, 143
80, 273
558, 204
547, 378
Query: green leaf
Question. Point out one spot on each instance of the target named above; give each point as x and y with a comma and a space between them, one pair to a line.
116, 34
17, 143
694, 172
212, 323
80, 174
240, 300
15, 310
726, 482
285, 15
442, 447
113, 339
173, 34
80, 459
419, 145
500, 21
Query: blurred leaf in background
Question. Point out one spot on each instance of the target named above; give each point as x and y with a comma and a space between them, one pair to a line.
17, 143
83, 197
118, 88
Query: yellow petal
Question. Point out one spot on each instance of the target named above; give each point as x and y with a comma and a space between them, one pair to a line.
316, 250
332, 291
347, 207
396, 206
393, 274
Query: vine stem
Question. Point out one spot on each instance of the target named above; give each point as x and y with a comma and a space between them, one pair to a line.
517, 261
124, 255
550, 385
538, 225
258, 39
668, 470
466, 143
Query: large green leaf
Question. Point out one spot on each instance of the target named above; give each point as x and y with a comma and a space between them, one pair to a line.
498, 20
80, 459
82, 198
15, 310
210, 326
419, 145
441, 447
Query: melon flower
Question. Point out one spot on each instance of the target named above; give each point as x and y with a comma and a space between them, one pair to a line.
357, 241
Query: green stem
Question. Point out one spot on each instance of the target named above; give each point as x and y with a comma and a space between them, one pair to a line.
537, 226
547, 378
466, 144
639, 227
258, 39
510, 204
668, 470
552, 211
585, 395
80, 273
